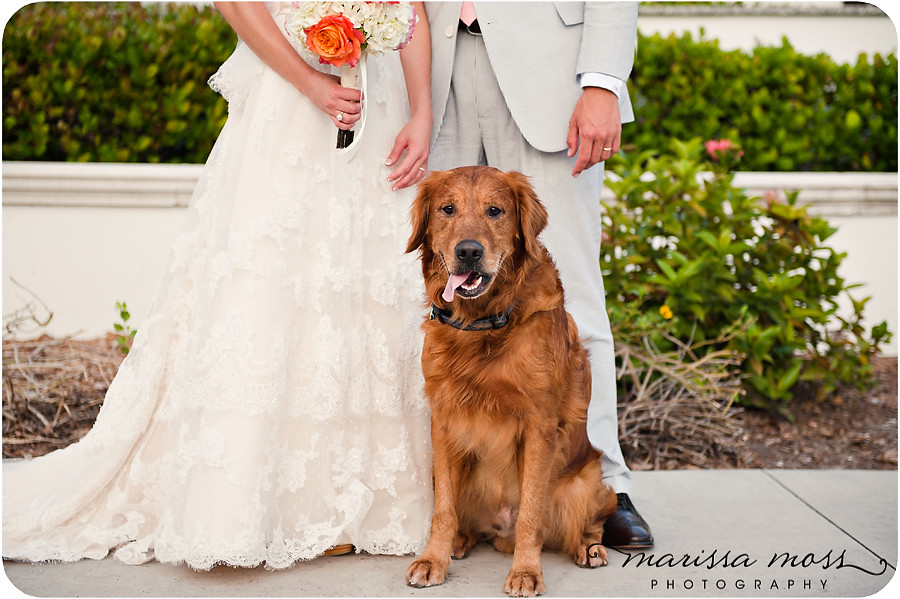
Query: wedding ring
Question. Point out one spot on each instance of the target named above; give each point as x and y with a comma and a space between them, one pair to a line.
340, 117
421, 169
604, 149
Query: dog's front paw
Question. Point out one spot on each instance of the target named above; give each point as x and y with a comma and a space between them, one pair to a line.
591, 556
524, 583
462, 545
426, 573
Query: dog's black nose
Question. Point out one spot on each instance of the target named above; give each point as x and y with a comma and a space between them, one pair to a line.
469, 251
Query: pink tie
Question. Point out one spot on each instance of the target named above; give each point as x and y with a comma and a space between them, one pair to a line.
467, 14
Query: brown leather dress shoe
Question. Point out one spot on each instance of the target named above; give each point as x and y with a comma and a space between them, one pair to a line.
625, 529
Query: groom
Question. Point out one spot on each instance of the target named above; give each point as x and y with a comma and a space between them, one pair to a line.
539, 87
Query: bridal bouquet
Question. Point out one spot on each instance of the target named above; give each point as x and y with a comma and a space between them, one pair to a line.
342, 33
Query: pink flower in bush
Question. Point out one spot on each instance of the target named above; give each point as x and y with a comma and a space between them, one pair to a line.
714, 146
722, 149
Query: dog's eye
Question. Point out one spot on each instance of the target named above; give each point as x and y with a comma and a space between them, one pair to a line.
448, 209
494, 212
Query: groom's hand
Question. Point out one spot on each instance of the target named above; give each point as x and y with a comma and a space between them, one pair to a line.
595, 129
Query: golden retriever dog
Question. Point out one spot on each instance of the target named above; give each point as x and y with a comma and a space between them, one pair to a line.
508, 382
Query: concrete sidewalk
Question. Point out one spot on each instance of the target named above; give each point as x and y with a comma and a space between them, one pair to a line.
719, 533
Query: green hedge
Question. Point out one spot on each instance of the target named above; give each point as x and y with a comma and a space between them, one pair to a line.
112, 82
126, 82
789, 112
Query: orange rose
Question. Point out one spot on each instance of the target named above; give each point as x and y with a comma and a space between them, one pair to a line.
335, 40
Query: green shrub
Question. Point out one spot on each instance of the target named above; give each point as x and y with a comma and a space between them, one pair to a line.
688, 249
788, 111
112, 82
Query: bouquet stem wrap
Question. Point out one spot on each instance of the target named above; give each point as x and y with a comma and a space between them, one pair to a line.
354, 77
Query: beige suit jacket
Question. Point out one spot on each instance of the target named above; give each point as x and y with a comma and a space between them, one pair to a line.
537, 50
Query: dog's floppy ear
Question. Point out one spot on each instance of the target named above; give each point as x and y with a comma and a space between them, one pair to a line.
531, 212
418, 214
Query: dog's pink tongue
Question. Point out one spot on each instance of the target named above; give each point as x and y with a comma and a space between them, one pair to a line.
452, 283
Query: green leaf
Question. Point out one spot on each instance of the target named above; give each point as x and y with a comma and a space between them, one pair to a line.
709, 239
667, 270
790, 377
690, 269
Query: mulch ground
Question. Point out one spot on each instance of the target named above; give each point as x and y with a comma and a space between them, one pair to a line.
53, 390
853, 430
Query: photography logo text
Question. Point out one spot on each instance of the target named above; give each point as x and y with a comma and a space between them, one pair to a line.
732, 571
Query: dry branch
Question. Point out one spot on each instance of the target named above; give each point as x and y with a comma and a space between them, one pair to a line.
675, 408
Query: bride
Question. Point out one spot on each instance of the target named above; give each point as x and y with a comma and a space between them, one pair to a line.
271, 407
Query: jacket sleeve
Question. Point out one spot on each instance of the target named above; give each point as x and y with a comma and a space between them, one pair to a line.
608, 39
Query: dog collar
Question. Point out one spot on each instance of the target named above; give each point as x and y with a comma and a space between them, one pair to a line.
495, 321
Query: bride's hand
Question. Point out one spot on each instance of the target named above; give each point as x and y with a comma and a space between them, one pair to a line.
252, 23
415, 138
326, 93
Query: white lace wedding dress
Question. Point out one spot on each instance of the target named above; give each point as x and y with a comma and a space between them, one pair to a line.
272, 404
